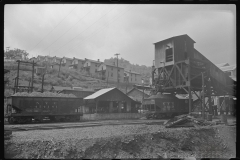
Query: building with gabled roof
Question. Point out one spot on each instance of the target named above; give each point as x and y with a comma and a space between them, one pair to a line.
138, 94
66, 62
91, 66
109, 100
109, 72
132, 77
77, 63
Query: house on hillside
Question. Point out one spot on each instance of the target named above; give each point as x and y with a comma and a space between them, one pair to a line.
55, 62
40, 58
109, 72
66, 62
91, 66
132, 77
77, 63
48, 59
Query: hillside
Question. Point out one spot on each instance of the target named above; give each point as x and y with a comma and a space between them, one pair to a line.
143, 70
67, 77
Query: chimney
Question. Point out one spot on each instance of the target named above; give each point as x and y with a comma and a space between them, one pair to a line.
98, 60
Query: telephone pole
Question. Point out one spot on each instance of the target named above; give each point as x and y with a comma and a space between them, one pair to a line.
117, 68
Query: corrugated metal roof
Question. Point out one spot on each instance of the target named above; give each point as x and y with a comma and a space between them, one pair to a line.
99, 93
228, 68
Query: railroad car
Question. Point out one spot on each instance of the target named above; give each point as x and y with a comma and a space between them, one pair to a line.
24, 109
165, 106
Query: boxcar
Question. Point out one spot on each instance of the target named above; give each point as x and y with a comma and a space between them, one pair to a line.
165, 106
22, 109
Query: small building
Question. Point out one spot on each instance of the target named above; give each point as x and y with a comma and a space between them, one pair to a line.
78, 93
91, 66
132, 77
77, 63
138, 95
57, 89
109, 72
108, 100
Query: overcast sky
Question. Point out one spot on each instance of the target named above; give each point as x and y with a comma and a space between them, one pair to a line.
98, 31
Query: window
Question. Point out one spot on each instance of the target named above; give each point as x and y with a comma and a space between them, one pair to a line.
95, 65
111, 74
112, 68
169, 55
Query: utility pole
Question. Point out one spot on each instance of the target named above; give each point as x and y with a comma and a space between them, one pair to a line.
203, 97
117, 68
59, 66
43, 81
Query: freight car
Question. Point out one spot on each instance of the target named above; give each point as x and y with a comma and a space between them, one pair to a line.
165, 106
26, 109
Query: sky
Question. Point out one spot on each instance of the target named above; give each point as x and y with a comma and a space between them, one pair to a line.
98, 31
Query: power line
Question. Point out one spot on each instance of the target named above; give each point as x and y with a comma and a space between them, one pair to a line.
85, 29
67, 30
113, 19
52, 29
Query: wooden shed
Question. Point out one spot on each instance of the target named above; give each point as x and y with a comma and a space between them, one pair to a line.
109, 100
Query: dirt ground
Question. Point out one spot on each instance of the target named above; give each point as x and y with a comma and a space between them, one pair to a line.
123, 141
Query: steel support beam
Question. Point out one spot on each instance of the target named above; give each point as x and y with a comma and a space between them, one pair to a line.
189, 88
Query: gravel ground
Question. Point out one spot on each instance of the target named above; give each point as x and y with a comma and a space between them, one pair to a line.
123, 141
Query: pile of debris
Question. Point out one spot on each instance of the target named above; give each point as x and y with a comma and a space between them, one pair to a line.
186, 121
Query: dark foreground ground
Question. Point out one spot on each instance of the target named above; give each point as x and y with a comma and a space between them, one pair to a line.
139, 140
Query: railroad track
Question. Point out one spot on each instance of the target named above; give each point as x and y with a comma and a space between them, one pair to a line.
79, 125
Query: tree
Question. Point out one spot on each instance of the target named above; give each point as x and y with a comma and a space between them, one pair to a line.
12, 53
